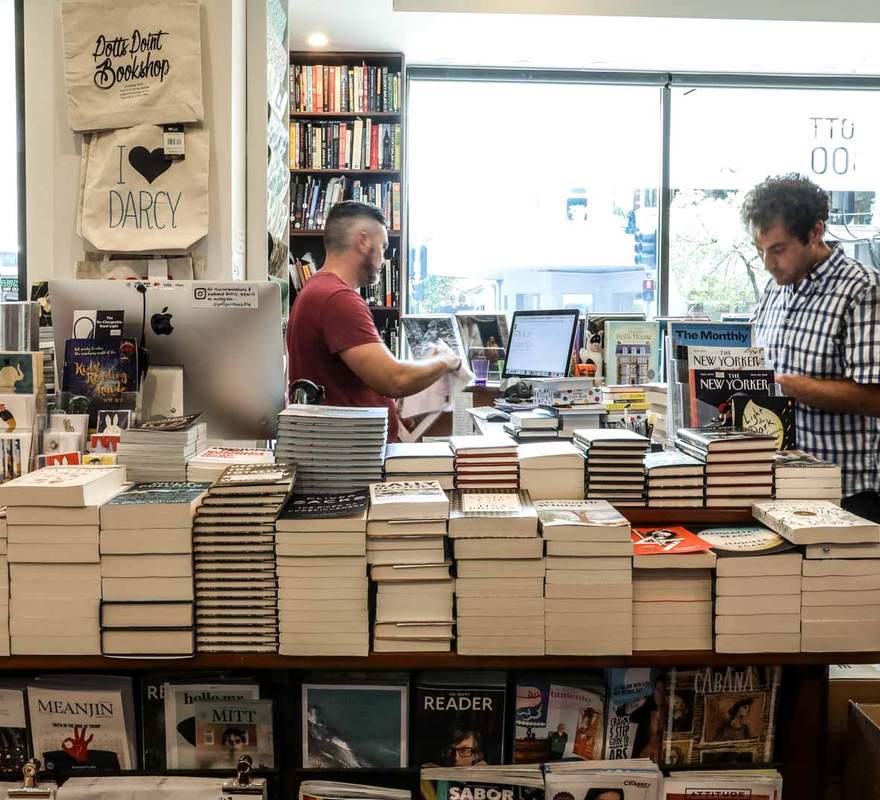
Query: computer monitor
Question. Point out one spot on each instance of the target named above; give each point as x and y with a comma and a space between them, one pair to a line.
228, 337
540, 343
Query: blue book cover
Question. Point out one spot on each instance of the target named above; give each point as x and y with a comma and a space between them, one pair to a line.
161, 492
99, 375
710, 334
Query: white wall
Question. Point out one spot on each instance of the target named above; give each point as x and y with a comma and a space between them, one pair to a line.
53, 151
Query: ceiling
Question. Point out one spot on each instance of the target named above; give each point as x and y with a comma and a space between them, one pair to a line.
596, 42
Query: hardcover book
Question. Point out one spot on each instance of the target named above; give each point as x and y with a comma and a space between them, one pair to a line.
801, 465
21, 373
459, 719
712, 392
228, 729
99, 375
773, 415
631, 353
638, 706
725, 439
421, 500
354, 726
815, 522
557, 720
721, 716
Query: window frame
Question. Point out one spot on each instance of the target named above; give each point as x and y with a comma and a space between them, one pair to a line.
21, 183
665, 83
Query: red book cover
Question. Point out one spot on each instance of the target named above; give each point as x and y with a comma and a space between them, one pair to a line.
331, 89
343, 160
316, 88
670, 540
374, 147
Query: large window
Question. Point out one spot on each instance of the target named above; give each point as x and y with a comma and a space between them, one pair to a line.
723, 142
536, 194
9, 163
532, 195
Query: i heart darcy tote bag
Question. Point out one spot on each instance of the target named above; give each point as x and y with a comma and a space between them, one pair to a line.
132, 62
135, 200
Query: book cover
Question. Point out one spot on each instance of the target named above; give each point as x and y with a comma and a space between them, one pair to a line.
559, 720
672, 462
13, 730
323, 506
21, 373
17, 411
458, 720
733, 786
113, 422
603, 783
796, 461
792, 516
79, 729
228, 729
180, 716
725, 358
160, 492
216, 456
711, 393
773, 415
721, 716
710, 438
391, 493
500, 503
279, 475
631, 354
671, 540
422, 331
745, 540
354, 726
638, 703
454, 784
169, 424
587, 513
708, 334
99, 375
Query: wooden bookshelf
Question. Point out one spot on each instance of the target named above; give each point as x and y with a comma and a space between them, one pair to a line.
304, 240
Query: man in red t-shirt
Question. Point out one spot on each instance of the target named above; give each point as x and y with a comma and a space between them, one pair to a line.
332, 339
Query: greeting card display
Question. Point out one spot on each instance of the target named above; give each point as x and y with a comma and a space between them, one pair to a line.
127, 62
136, 199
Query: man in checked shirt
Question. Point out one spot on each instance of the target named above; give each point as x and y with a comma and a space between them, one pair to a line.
819, 319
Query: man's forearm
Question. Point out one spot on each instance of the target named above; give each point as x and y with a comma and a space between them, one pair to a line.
414, 376
838, 396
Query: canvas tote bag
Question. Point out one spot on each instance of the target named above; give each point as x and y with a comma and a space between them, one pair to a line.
134, 200
131, 62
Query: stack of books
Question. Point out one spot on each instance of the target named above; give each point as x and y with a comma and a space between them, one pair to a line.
615, 465
335, 449
840, 599
321, 556
420, 461
500, 572
248, 498
54, 559
757, 590
572, 418
159, 450
588, 583
799, 476
657, 397
551, 470
672, 590
674, 480
406, 531
623, 403
539, 423
739, 464
485, 462
147, 570
209, 464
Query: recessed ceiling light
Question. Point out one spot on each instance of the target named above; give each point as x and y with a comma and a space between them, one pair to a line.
317, 40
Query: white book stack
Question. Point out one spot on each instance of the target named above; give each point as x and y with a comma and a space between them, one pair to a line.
406, 551
588, 582
321, 561
657, 397
574, 417
615, 465
159, 450
420, 461
674, 480
500, 573
4, 586
54, 561
672, 609
551, 470
209, 464
540, 423
234, 549
800, 476
485, 462
147, 569
757, 590
335, 449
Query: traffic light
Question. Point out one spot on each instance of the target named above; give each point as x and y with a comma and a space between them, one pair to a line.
645, 249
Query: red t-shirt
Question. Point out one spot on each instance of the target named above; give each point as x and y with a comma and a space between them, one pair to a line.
328, 316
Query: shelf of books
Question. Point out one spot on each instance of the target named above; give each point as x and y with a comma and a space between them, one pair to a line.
347, 143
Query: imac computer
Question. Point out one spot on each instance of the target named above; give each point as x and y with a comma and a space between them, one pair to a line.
227, 336
540, 343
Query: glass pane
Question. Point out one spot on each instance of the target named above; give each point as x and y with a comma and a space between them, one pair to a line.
724, 141
9, 164
532, 195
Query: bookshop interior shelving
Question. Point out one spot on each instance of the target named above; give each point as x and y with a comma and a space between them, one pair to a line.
306, 240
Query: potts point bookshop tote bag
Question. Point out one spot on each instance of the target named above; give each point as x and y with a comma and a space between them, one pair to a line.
136, 200
132, 62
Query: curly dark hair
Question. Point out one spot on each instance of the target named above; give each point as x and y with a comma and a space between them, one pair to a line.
792, 199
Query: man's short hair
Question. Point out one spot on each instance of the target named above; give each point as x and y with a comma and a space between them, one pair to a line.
337, 226
792, 199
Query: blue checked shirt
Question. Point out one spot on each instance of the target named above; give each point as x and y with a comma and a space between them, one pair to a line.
828, 326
